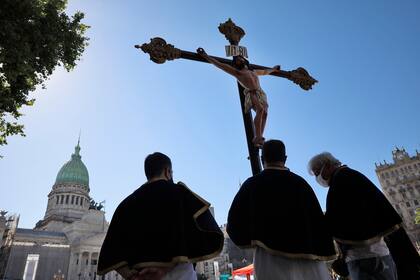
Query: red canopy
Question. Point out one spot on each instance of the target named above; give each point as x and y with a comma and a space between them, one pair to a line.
247, 270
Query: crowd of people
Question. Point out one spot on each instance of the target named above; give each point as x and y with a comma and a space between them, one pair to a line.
163, 228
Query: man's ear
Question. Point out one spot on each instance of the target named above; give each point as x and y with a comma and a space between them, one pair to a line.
167, 173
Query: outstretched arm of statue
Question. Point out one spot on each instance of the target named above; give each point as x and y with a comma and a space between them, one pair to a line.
225, 67
261, 72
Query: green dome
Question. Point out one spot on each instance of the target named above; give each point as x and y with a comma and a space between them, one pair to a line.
74, 171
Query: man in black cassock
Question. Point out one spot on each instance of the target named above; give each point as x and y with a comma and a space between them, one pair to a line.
278, 214
364, 223
160, 230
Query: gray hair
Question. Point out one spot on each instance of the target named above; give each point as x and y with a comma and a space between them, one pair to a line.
318, 161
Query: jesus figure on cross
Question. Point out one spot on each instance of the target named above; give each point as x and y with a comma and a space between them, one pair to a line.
255, 97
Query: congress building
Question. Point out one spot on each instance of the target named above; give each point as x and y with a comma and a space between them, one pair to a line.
66, 243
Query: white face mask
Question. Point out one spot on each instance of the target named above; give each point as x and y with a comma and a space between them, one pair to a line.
320, 180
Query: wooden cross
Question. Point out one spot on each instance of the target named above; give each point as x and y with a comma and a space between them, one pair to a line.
160, 52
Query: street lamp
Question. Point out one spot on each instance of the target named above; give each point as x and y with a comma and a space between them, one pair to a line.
59, 276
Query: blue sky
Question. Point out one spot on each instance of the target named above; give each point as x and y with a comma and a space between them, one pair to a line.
365, 55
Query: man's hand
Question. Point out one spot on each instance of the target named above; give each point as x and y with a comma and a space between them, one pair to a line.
150, 273
202, 52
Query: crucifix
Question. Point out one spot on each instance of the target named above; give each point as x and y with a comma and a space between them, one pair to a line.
250, 93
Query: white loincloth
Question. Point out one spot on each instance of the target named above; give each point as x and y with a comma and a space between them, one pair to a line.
261, 97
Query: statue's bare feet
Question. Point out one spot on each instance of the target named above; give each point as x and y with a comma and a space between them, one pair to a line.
258, 141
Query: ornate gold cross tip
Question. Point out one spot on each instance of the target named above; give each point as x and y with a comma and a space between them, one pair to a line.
159, 50
302, 78
232, 32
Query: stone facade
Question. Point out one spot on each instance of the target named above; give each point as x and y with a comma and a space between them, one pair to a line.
212, 268
8, 224
66, 243
47, 252
400, 181
231, 258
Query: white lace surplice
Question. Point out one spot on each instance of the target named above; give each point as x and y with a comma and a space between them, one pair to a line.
182, 271
271, 267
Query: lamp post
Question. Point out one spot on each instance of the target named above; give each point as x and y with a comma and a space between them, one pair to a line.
58, 276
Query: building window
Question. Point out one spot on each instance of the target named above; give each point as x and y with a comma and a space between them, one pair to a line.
72, 199
416, 202
408, 204
77, 200
57, 199
87, 262
62, 199
81, 201
67, 199
30, 267
94, 262
397, 206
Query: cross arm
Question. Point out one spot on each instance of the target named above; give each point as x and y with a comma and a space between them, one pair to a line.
160, 52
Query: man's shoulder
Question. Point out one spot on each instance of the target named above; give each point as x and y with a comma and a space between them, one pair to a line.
286, 175
295, 176
130, 198
283, 176
298, 181
149, 189
346, 173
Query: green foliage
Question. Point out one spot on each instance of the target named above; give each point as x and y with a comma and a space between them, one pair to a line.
35, 37
417, 221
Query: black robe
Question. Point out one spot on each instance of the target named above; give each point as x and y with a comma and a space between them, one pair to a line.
160, 224
278, 211
357, 211
404, 254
